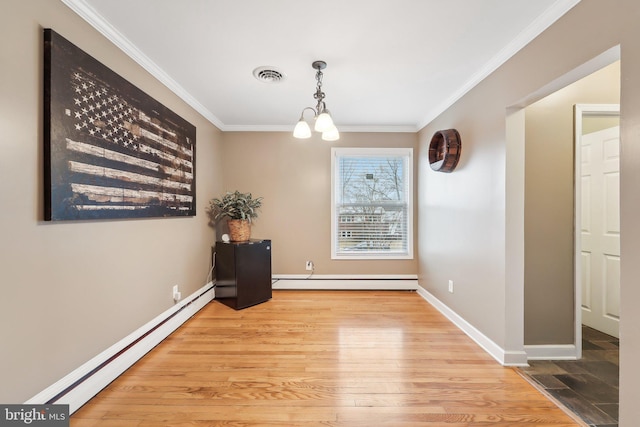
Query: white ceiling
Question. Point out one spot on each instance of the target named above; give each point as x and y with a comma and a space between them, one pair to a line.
393, 65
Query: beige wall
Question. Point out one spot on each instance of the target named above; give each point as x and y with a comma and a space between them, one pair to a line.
463, 215
71, 290
549, 308
294, 177
597, 123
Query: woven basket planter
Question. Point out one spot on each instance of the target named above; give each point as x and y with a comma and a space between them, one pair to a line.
239, 230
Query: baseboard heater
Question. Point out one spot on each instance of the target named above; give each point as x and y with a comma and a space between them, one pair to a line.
345, 282
83, 383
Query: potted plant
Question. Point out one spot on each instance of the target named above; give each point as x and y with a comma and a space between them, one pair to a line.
240, 209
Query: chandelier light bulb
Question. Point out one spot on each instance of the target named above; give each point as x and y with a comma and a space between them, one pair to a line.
302, 130
331, 134
324, 122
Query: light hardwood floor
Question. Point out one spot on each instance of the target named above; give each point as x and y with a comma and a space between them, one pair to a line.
320, 358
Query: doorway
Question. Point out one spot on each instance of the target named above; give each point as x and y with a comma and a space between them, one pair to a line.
583, 375
553, 268
597, 217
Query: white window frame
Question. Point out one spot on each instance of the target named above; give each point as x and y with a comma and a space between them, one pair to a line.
380, 152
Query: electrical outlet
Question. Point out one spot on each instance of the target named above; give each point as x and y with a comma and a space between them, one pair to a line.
177, 296
451, 286
309, 265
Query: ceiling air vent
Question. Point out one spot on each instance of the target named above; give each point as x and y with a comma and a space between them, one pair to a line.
268, 74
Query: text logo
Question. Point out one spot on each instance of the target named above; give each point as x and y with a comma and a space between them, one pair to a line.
34, 415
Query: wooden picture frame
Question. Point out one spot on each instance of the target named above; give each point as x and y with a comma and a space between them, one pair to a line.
110, 150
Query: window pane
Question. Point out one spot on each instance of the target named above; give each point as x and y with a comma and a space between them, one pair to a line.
371, 204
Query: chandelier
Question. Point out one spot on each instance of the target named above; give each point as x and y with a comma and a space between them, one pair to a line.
321, 115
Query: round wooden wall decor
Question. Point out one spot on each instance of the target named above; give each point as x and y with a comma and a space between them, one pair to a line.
444, 150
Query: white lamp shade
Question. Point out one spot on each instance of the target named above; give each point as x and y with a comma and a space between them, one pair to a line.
324, 122
331, 135
302, 130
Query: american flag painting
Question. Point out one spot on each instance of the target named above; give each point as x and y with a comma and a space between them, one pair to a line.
111, 151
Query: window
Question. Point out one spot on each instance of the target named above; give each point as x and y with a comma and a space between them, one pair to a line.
372, 206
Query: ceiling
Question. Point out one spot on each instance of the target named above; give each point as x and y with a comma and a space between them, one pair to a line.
393, 65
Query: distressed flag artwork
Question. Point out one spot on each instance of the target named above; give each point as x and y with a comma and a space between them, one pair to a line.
110, 150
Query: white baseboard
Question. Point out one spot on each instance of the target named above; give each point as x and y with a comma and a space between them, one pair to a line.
338, 282
551, 352
76, 388
505, 358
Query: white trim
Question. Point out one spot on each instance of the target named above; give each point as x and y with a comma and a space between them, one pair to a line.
93, 18
344, 283
347, 276
551, 352
544, 21
89, 387
343, 129
505, 358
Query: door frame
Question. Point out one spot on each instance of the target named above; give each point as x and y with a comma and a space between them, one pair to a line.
580, 111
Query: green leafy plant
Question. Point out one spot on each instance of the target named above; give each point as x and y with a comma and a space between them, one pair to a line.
235, 205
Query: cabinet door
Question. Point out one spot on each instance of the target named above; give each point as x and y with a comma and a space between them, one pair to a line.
225, 271
253, 273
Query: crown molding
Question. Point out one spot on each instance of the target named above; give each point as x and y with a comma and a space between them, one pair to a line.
86, 12
342, 129
544, 21
97, 21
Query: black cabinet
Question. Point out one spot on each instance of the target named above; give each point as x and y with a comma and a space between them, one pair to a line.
243, 272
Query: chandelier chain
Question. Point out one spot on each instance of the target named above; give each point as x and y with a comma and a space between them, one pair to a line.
319, 95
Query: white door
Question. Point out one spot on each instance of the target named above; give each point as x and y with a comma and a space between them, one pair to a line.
600, 230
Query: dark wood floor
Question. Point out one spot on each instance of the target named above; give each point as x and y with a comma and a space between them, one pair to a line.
588, 387
320, 358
